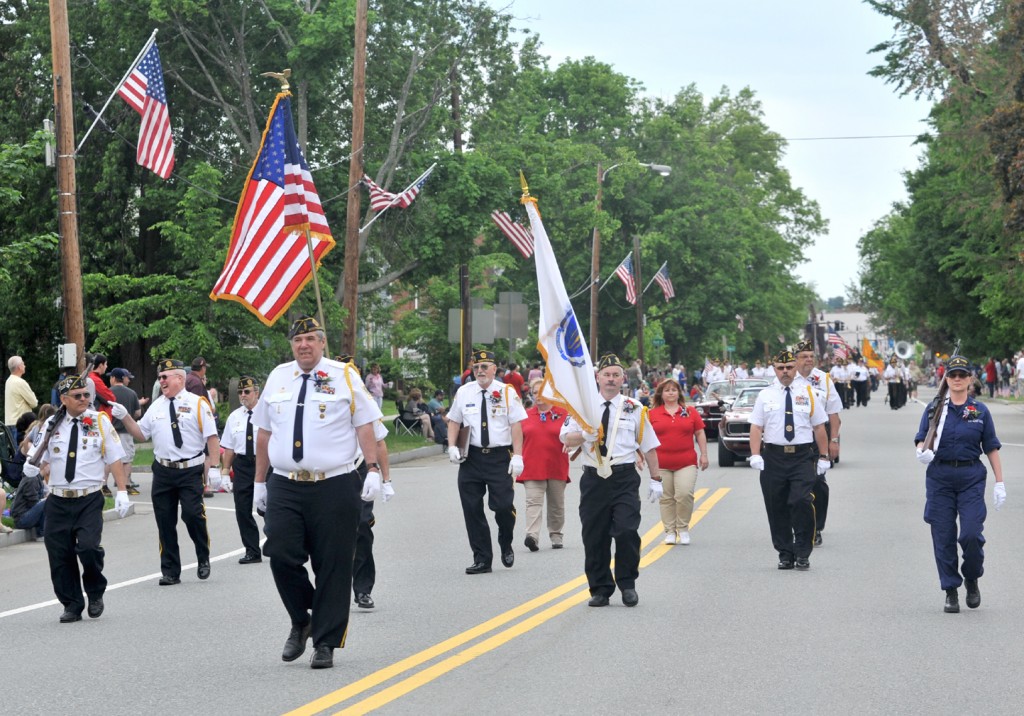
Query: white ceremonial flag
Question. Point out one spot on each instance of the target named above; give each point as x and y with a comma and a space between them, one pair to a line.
570, 380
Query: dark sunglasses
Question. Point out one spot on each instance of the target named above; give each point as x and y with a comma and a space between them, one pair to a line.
78, 396
245, 391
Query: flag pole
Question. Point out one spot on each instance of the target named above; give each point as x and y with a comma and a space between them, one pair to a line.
397, 196
316, 289
612, 274
131, 68
653, 277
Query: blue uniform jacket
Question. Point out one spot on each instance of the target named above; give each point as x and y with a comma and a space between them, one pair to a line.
967, 432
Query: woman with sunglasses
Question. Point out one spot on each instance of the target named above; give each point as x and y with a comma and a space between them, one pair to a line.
955, 483
545, 469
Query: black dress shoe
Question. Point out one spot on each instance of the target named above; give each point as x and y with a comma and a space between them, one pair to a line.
295, 644
556, 546
204, 570
598, 600
364, 601
95, 607
785, 563
478, 568
817, 539
70, 615
630, 598
508, 557
803, 564
323, 657
167, 580
531, 543
952, 605
250, 558
973, 594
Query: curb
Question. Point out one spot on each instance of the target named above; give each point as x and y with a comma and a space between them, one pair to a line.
416, 453
29, 535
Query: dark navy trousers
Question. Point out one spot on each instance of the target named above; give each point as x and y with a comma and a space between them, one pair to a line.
951, 493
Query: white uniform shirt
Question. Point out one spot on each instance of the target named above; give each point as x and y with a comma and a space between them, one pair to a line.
634, 432
826, 391
97, 446
235, 430
859, 374
741, 373
713, 375
839, 374
501, 405
892, 373
770, 413
195, 423
336, 403
759, 371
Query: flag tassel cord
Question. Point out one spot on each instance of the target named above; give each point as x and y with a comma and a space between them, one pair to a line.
654, 277
131, 68
395, 200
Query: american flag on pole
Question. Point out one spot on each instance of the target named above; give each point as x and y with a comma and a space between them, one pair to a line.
144, 91
518, 234
665, 282
268, 262
839, 347
625, 274
381, 199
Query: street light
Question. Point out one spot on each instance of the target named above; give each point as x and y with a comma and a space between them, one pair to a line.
595, 260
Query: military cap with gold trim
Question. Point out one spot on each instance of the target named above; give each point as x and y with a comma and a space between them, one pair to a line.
958, 363
247, 381
784, 356
609, 360
170, 364
71, 382
304, 324
483, 356
804, 346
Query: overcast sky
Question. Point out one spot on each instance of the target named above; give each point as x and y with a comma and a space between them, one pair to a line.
806, 61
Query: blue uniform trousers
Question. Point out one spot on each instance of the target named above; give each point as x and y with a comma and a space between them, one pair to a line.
953, 492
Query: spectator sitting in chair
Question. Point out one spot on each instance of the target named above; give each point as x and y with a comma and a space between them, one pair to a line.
437, 412
415, 410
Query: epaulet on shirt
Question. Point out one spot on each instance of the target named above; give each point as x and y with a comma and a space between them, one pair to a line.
200, 411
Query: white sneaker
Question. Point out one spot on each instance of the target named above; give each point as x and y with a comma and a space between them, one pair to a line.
684, 538
670, 538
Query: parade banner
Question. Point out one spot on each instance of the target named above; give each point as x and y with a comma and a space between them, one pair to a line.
870, 357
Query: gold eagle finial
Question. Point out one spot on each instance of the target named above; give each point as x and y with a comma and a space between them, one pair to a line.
281, 77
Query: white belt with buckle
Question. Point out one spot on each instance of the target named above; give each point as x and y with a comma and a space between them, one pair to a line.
182, 464
68, 492
315, 475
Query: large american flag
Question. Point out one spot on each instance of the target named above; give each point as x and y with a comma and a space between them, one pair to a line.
144, 91
518, 234
839, 347
665, 282
625, 274
381, 199
268, 261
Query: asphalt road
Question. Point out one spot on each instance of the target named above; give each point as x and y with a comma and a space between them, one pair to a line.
719, 630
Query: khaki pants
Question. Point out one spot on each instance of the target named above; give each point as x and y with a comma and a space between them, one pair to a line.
535, 492
677, 498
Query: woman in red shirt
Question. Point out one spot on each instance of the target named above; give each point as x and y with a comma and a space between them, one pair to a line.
545, 470
676, 427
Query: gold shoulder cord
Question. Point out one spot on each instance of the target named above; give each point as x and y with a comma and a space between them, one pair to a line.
810, 394
199, 409
643, 422
351, 392
103, 440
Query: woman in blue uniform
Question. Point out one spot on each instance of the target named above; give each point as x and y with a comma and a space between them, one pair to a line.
955, 483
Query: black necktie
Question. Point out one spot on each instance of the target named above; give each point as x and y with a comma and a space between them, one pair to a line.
789, 416
604, 427
178, 442
485, 438
297, 444
69, 466
248, 435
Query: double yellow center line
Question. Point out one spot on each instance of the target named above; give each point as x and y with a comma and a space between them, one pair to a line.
425, 676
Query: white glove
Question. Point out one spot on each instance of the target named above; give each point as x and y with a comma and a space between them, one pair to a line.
259, 496
515, 466
823, 465
757, 462
925, 456
371, 486
30, 470
655, 490
999, 495
121, 503
118, 411
225, 483
387, 491
455, 455
590, 438
213, 475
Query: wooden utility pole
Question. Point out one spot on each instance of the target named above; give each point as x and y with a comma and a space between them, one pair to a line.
67, 203
639, 299
595, 271
350, 298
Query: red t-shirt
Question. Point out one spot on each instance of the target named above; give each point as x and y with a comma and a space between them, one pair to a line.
514, 379
102, 391
543, 458
676, 435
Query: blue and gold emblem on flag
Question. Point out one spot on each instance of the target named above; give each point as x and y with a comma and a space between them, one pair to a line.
568, 341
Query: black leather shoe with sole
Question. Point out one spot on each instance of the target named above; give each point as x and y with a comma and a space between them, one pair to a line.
952, 605
70, 616
95, 607
973, 594
630, 598
478, 568
295, 644
598, 600
323, 658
